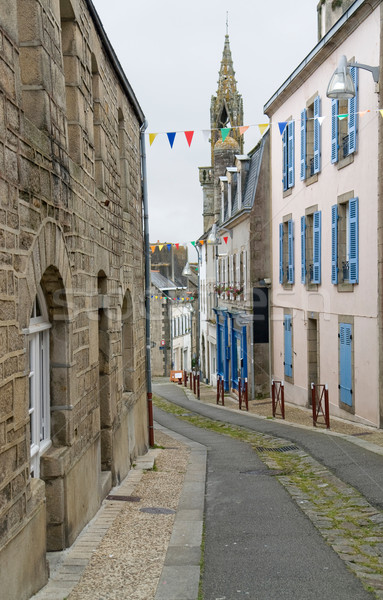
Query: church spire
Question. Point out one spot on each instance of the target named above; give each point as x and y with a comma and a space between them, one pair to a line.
226, 109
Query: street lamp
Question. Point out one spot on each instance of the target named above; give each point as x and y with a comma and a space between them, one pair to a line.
213, 237
186, 271
341, 85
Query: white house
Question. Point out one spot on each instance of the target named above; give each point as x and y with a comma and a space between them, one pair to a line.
327, 194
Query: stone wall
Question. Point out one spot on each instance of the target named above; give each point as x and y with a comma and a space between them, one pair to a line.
70, 226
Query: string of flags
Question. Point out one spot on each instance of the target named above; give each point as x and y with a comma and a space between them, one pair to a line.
178, 244
189, 135
175, 298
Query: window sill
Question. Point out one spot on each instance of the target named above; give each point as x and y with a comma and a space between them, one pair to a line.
312, 179
312, 287
287, 286
345, 287
287, 192
345, 161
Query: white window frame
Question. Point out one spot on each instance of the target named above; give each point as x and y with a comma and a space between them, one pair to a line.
39, 384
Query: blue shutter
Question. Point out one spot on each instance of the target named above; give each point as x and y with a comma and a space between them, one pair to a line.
353, 240
284, 159
334, 243
353, 113
303, 249
288, 363
303, 143
280, 252
317, 247
334, 130
316, 135
345, 365
290, 154
290, 230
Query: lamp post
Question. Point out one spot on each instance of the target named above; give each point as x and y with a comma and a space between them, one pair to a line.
341, 84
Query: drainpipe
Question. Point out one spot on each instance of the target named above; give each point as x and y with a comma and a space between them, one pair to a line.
147, 282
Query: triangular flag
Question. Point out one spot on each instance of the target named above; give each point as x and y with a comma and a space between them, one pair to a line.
171, 138
156, 297
381, 112
206, 134
363, 112
177, 246
152, 137
243, 129
169, 246
225, 132
189, 136
160, 246
321, 119
282, 126
263, 127
341, 117
225, 239
193, 244
153, 248
202, 242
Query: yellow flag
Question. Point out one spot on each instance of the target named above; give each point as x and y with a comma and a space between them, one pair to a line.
263, 127
160, 246
152, 137
381, 112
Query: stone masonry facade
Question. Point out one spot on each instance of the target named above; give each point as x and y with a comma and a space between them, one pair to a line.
72, 265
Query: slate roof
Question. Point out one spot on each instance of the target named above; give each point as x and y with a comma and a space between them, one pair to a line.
161, 282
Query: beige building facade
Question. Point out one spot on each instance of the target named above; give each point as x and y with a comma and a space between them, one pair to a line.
73, 411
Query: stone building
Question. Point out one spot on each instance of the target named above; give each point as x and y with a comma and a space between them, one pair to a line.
236, 210
72, 326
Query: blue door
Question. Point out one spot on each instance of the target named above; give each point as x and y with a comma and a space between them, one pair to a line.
345, 374
239, 356
288, 363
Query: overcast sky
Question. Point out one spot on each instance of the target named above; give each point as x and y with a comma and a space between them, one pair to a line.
171, 51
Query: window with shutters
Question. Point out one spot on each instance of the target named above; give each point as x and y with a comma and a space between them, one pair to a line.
346, 365
288, 151
286, 252
344, 126
311, 233
288, 346
345, 244
310, 141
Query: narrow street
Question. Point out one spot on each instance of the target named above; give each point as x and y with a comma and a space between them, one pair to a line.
265, 539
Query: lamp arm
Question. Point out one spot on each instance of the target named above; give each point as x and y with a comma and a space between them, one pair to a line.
373, 70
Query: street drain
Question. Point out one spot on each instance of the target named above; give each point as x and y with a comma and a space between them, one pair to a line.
278, 449
154, 510
124, 498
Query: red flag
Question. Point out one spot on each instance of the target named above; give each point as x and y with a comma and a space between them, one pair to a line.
177, 246
189, 136
225, 239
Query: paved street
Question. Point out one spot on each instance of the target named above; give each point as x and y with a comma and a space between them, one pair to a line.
259, 543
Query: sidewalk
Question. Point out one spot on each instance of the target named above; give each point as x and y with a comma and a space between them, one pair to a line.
293, 415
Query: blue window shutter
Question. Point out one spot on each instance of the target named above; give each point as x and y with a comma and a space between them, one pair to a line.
345, 364
353, 114
303, 143
290, 154
284, 159
290, 231
334, 130
334, 243
353, 240
303, 249
317, 247
316, 135
288, 363
280, 252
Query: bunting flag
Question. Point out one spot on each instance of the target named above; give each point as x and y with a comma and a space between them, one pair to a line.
193, 244
160, 246
152, 137
169, 246
189, 137
225, 239
177, 246
262, 128
171, 138
225, 132
153, 249
202, 242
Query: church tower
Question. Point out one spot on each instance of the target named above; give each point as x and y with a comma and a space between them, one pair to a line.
226, 111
